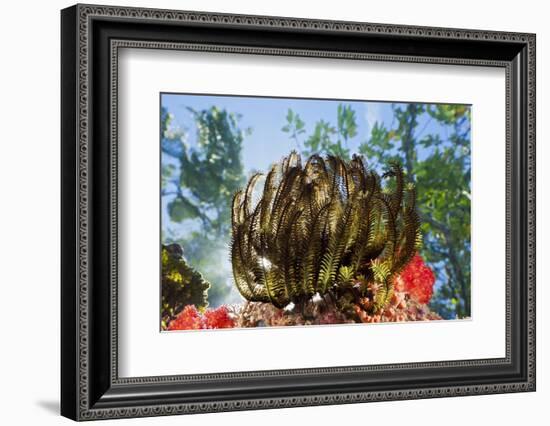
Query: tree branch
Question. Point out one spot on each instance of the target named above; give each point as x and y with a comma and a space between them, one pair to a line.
407, 144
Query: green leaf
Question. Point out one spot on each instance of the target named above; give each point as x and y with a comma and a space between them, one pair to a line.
181, 209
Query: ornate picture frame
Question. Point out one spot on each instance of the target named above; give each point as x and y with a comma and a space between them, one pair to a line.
91, 38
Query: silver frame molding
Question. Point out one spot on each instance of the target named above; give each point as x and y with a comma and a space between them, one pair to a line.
91, 388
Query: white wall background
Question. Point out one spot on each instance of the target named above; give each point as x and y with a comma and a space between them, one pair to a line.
29, 215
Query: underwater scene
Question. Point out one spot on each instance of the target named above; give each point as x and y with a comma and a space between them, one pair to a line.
302, 212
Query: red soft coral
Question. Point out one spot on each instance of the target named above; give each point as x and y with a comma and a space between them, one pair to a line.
191, 319
188, 319
417, 280
218, 318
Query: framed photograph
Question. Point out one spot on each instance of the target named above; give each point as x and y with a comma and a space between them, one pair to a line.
263, 212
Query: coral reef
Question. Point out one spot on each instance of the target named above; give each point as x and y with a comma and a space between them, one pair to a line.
400, 308
413, 289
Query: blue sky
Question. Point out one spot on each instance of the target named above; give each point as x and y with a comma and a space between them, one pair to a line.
266, 116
